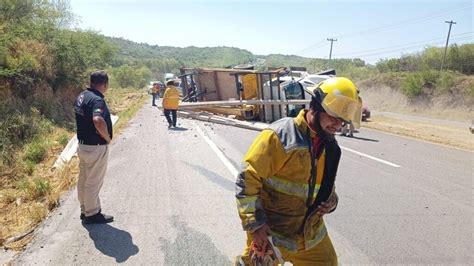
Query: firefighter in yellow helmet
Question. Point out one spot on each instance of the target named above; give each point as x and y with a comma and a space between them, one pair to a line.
286, 185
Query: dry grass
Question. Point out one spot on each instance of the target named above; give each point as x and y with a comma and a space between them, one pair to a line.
29, 191
26, 204
453, 136
126, 103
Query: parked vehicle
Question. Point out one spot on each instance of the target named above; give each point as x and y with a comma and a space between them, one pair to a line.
365, 113
168, 76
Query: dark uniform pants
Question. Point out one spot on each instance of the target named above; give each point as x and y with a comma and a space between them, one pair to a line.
171, 121
155, 96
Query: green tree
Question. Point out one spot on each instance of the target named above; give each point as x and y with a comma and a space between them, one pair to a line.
76, 53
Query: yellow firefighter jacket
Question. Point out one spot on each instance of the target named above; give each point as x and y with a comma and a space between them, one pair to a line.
171, 98
274, 185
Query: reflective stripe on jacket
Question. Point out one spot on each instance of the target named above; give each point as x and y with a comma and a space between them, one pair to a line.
273, 186
171, 98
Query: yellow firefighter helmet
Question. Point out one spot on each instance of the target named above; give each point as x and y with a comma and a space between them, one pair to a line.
339, 98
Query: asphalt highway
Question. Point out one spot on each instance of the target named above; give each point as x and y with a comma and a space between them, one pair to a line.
402, 201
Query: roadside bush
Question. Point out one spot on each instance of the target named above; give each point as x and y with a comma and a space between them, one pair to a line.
446, 81
35, 188
429, 77
63, 139
29, 167
358, 73
15, 128
22, 126
36, 152
388, 65
18, 128
470, 90
459, 58
41, 187
413, 85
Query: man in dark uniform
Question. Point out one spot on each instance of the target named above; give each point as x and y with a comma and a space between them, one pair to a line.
94, 132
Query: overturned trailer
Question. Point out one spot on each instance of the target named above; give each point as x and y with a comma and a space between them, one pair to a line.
246, 93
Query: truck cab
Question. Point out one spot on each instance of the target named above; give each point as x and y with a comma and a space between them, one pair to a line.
290, 88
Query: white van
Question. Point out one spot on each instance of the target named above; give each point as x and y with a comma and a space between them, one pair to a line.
168, 76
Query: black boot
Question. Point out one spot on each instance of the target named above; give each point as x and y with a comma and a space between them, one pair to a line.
98, 218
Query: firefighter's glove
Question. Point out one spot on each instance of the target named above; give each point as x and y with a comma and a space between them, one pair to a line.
329, 205
260, 235
261, 252
262, 256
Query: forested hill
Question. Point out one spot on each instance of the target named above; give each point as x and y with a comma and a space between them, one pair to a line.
160, 57
132, 52
277, 60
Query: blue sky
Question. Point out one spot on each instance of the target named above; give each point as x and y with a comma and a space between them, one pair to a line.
364, 29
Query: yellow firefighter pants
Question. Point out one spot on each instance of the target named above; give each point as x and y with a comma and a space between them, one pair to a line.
321, 254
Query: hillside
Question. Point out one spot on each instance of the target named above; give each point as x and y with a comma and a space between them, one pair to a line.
128, 51
439, 98
277, 60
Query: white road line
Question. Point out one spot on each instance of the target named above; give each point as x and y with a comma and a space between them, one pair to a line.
371, 157
219, 153
234, 171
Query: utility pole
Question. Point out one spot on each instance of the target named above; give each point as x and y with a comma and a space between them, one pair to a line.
330, 51
447, 40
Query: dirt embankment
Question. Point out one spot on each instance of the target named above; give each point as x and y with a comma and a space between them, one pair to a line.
442, 119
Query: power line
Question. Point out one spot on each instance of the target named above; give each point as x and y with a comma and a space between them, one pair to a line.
313, 46
404, 22
388, 27
402, 49
368, 55
401, 45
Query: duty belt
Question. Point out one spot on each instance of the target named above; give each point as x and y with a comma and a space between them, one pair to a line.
90, 143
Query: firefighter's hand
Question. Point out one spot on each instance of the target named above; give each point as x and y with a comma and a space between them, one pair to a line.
327, 206
260, 237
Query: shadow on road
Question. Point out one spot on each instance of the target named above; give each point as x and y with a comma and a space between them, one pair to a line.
191, 247
213, 176
354, 137
111, 241
366, 139
178, 129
